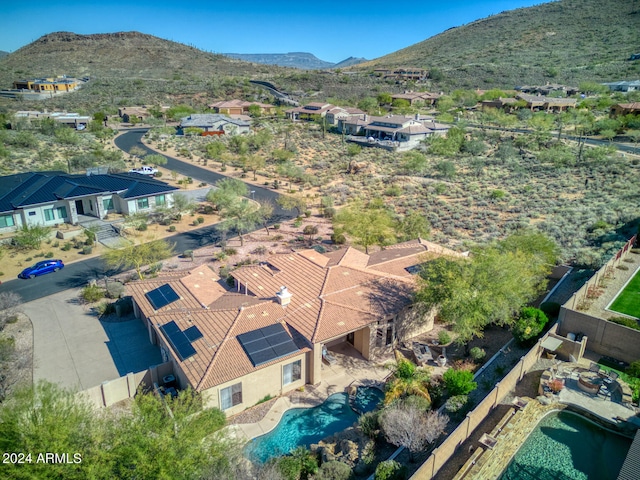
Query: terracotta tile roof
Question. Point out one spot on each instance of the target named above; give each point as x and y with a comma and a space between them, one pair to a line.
204, 284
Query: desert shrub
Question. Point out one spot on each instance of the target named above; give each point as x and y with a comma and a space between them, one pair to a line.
390, 470
187, 254
105, 308
230, 251
329, 212
66, 247
48, 255
115, 289
87, 250
459, 382
142, 227
338, 238
477, 354
91, 293
200, 219
550, 309
333, 470
172, 228
261, 250
276, 226
7, 347
369, 424
443, 337
456, 403
307, 213
627, 322
289, 468
529, 325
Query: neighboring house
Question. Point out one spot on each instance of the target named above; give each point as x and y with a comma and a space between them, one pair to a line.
75, 120
268, 335
548, 89
625, 109
215, 122
51, 198
623, 86
507, 104
136, 114
403, 73
336, 114
416, 97
48, 85
540, 102
240, 107
395, 132
311, 111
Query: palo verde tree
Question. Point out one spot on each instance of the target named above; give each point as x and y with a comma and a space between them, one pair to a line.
137, 256
489, 287
366, 224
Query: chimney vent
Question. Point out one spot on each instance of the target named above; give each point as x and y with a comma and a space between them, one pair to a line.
284, 296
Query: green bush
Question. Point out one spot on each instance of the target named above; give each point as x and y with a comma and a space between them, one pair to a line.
172, 228
142, 227
289, 468
87, 250
634, 369
627, 322
92, 293
230, 251
338, 238
7, 347
48, 255
187, 254
329, 212
105, 308
200, 219
529, 325
115, 289
276, 226
443, 337
456, 403
550, 309
66, 247
334, 470
369, 424
477, 354
390, 470
459, 382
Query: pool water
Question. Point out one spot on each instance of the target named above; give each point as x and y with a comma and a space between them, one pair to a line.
367, 399
566, 446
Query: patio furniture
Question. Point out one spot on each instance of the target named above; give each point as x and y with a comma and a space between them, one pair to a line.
610, 378
604, 391
594, 367
422, 353
327, 357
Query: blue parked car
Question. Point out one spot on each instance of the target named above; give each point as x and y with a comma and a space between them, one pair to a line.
40, 268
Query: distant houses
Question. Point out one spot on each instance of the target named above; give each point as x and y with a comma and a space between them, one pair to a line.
624, 86
137, 114
625, 109
241, 107
414, 98
43, 88
402, 73
74, 120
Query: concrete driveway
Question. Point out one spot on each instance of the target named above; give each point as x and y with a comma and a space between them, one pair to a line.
73, 348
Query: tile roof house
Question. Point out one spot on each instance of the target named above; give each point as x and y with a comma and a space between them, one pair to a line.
239, 107
393, 132
540, 102
215, 122
624, 86
268, 334
50, 198
632, 108
308, 112
415, 97
74, 120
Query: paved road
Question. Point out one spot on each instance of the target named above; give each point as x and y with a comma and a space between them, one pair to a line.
77, 274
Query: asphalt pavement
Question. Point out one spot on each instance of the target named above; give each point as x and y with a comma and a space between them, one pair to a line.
78, 274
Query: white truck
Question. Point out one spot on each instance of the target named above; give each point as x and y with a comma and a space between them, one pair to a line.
145, 170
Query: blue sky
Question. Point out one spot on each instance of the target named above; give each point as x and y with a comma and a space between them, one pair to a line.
332, 30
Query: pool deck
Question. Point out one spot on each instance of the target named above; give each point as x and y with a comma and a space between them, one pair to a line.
350, 369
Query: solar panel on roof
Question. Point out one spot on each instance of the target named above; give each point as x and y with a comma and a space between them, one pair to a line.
178, 340
193, 333
162, 296
266, 344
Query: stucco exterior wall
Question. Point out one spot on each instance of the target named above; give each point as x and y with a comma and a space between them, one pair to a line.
257, 385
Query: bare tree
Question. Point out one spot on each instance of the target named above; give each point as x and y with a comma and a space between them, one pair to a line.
9, 307
407, 425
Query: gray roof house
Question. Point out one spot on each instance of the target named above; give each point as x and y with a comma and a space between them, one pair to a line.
50, 198
623, 86
392, 132
216, 122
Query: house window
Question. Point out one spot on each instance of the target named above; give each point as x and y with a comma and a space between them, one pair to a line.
48, 214
160, 200
231, 396
32, 214
292, 372
6, 221
62, 212
385, 333
143, 203
107, 203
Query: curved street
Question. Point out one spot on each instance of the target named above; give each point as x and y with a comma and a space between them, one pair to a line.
77, 274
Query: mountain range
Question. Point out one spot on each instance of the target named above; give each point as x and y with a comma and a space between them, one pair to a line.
302, 60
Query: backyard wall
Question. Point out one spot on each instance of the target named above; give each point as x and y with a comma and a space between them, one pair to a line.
605, 338
446, 449
114, 391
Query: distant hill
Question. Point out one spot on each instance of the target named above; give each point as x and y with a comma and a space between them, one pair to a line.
563, 41
349, 62
3, 53
114, 55
302, 60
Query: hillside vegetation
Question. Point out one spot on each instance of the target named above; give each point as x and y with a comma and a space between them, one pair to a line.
565, 41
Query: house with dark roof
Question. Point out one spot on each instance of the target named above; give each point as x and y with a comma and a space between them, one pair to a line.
414, 98
622, 109
269, 334
309, 112
51, 198
240, 107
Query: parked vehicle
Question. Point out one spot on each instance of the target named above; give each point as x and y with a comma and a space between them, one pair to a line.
146, 170
41, 268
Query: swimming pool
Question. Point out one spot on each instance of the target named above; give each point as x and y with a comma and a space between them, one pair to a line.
566, 445
304, 426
